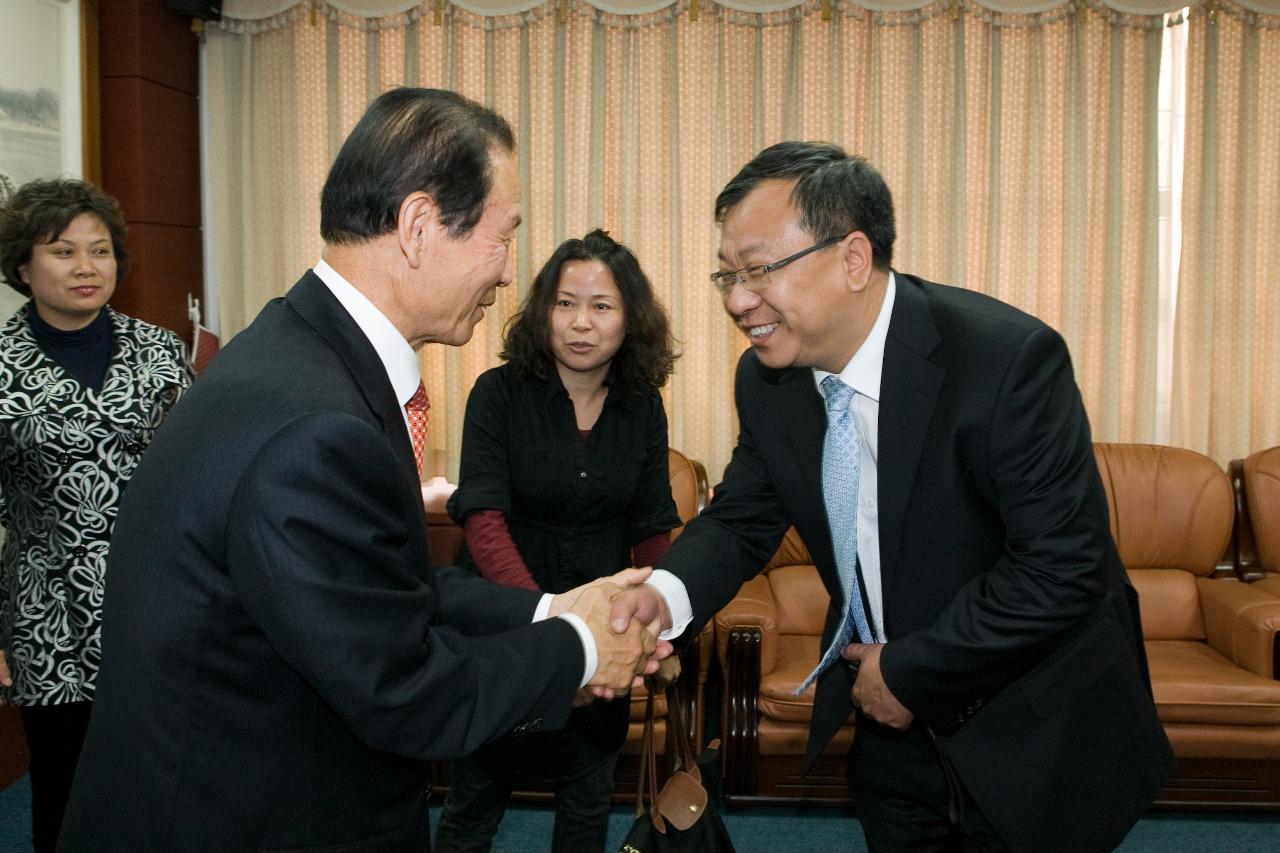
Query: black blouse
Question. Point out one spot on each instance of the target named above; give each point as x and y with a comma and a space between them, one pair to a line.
574, 508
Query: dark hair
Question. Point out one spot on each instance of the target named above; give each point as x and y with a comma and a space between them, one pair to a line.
412, 140
647, 355
835, 192
41, 210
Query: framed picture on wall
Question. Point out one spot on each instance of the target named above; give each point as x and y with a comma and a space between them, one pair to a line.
40, 132
40, 109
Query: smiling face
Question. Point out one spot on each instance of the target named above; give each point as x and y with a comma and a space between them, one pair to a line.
588, 321
73, 275
466, 272
808, 314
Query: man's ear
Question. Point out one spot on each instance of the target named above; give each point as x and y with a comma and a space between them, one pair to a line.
417, 226
856, 254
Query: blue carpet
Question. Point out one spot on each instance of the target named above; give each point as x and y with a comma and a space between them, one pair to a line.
783, 830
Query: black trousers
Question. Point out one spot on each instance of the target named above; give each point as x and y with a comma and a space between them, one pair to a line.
909, 800
55, 734
581, 757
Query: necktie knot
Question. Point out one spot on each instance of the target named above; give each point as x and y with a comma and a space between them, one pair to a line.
416, 411
837, 394
418, 403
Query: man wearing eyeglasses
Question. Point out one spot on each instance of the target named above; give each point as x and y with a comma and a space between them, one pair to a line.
931, 448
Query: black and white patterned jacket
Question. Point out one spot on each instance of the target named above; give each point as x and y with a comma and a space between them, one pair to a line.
66, 453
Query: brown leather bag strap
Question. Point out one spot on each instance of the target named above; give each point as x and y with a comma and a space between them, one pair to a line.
649, 770
675, 722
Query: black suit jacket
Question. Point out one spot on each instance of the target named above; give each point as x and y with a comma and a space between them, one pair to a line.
1013, 634
280, 657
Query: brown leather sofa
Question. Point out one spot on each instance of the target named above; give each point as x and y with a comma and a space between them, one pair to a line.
1211, 641
1258, 528
767, 641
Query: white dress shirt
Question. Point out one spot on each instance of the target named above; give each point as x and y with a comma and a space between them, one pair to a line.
397, 357
401, 364
862, 374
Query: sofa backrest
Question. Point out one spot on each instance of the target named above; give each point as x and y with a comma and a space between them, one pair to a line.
801, 598
1262, 485
688, 486
1171, 516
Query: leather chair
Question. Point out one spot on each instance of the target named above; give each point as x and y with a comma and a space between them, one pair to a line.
1259, 523
1211, 644
767, 640
1211, 641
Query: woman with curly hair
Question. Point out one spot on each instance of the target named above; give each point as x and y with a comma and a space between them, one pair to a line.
82, 390
564, 479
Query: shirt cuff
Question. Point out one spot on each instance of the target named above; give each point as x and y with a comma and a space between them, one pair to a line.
584, 634
672, 590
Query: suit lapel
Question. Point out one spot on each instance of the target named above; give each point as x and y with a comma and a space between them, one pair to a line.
908, 393
800, 410
321, 309
909, 388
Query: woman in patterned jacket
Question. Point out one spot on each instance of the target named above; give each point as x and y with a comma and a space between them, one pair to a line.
82, 390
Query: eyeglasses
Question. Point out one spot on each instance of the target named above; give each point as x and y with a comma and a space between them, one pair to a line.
756, 278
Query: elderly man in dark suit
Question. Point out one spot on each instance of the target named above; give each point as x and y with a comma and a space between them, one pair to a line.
280, 656
931, 448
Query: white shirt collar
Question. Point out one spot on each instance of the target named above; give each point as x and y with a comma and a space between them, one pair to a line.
397, 357
862, 373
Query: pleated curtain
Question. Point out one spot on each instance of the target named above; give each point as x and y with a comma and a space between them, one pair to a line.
1021, 147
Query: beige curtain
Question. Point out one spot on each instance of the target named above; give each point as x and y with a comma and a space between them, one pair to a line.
1227, 349
1020, 147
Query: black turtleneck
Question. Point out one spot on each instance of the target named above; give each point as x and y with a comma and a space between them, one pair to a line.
84, 353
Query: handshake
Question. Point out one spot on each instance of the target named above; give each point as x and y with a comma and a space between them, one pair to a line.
625, 619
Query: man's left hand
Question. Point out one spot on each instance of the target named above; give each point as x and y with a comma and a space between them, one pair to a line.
870, 693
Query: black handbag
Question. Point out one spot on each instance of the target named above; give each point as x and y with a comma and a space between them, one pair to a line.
682, 817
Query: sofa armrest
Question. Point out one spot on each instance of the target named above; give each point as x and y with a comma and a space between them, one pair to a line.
753, 607
1241, 623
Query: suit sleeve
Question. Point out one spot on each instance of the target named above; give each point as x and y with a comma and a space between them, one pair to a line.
317, 554
477, 606
740, 530
1050, 580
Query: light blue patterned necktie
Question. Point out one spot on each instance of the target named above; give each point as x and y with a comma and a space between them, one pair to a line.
840, 493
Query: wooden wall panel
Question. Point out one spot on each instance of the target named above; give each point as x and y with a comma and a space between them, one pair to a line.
166, 266
154, 167
141, 38
150, 135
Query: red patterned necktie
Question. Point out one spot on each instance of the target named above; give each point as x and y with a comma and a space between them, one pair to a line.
417, 409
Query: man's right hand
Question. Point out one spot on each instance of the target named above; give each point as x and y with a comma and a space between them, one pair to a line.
642, 603
620, 655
